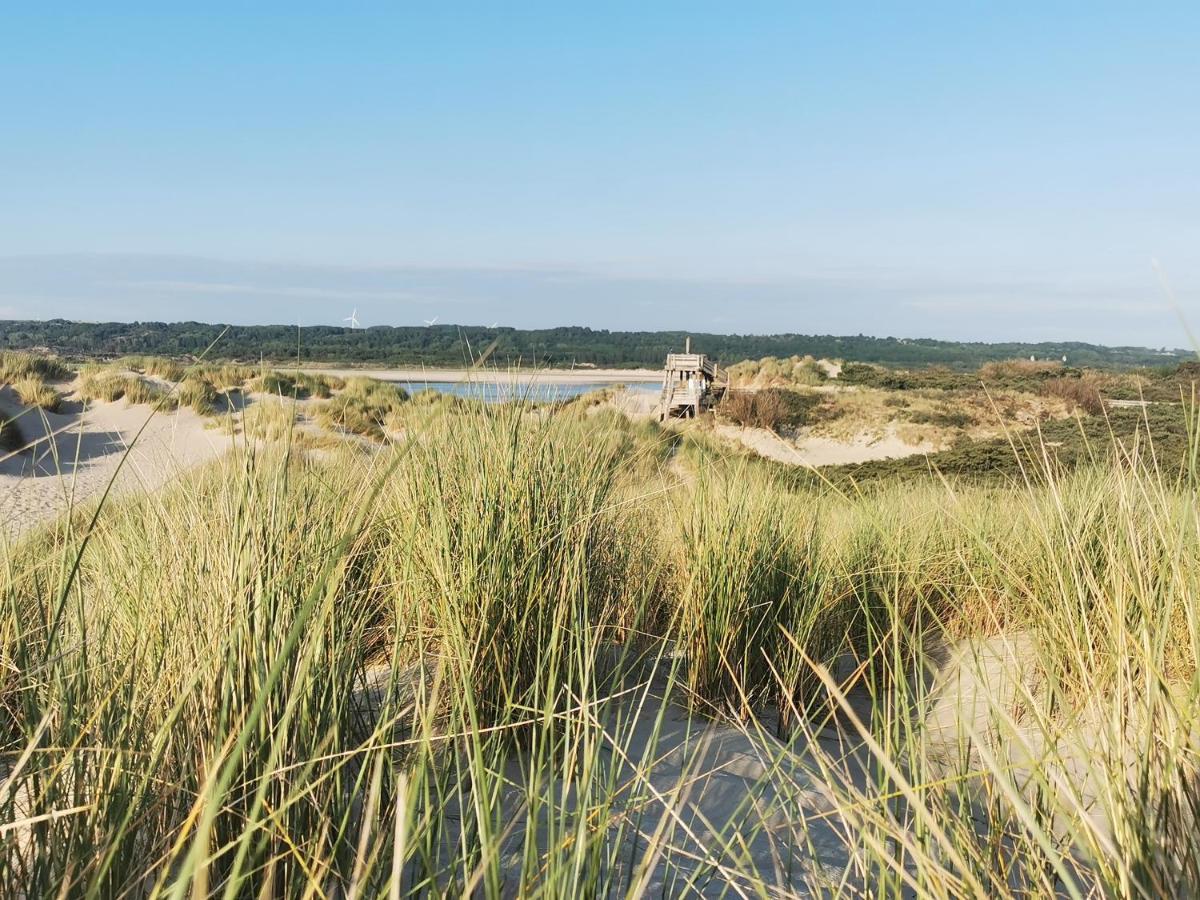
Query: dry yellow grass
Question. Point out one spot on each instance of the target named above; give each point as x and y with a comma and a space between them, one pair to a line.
32, 390
932, 416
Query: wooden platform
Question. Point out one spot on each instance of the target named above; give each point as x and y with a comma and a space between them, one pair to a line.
692, 383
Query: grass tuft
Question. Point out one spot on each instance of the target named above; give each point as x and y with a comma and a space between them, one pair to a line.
364, 406
32, 390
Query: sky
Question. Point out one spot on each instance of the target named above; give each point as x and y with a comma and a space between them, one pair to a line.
956, 170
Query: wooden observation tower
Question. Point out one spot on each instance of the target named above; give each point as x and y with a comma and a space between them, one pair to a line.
692, 383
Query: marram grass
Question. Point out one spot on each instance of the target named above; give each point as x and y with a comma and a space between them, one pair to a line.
468, 662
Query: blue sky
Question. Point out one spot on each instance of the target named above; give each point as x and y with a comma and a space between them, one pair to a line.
974, 171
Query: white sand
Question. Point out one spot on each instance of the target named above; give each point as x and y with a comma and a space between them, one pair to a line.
77, 454
808, 449
730, 800
636, 405
704, 793
832, 369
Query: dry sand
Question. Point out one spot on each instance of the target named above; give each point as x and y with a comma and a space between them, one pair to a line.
78, 453
808, 449
721, 800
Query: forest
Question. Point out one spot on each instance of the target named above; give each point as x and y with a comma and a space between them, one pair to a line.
454, 345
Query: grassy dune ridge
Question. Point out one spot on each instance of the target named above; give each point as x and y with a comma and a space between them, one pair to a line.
449, 666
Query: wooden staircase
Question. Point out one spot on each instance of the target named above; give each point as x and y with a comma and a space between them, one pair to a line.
692, 383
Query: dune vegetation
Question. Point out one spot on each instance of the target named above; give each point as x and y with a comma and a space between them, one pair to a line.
553, 652
32, 390
364, 406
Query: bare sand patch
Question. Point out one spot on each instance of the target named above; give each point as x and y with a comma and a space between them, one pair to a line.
810, 449
75, 454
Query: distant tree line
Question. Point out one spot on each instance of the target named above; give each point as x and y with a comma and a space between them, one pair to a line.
452, 345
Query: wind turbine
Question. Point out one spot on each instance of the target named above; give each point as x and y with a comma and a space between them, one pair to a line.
493, 325
429, 322
353, 320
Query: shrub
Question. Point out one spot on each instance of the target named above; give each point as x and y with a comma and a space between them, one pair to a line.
772, 408
1082, 391
1017, 369
941, 418
937, 378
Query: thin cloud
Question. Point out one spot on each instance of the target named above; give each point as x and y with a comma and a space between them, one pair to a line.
262, 290
1039, 305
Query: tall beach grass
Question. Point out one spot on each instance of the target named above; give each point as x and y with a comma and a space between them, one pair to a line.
501, 656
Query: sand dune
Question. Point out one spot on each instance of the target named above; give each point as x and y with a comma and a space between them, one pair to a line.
808, 449
75, 454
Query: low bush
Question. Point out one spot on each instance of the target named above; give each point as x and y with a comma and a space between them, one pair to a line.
1018, 369
1083, 391
941, 418
771, 408
867, 375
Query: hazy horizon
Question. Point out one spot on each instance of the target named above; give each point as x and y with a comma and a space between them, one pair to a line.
120, 288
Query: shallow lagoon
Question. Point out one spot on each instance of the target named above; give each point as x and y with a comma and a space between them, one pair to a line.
503, 391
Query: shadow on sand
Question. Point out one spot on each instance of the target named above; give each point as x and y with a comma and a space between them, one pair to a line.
53, 443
